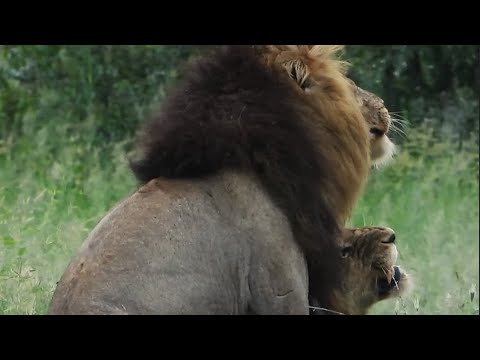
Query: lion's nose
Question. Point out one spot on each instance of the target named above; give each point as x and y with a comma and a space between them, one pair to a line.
390, 238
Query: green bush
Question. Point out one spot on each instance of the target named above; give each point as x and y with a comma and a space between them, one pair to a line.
104, 90
435, 86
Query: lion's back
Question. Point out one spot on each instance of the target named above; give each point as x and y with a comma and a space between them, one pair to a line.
152, 253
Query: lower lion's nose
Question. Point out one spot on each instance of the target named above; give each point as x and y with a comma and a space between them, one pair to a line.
390, 239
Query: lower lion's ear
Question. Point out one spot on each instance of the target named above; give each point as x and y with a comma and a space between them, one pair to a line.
299, 72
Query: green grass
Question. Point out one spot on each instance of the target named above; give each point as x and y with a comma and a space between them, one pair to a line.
49, 201
55, 186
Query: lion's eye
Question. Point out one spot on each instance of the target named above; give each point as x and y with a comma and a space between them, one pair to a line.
307, 84
346, 251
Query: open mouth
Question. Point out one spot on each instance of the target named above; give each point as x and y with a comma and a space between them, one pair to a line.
390, 282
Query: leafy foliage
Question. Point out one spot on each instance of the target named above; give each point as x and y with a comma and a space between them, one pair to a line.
431, 85
113, 84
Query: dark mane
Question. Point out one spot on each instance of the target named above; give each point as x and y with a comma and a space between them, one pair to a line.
232, 111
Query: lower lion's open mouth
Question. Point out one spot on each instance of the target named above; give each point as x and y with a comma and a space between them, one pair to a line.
383, 284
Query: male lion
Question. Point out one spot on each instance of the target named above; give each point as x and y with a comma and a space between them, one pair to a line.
251, 167
368, 275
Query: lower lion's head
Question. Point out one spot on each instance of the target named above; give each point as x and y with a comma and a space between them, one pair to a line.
369, 272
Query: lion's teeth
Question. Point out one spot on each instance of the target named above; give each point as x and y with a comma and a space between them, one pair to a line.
389, 274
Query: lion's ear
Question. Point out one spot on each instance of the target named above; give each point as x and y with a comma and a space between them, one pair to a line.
299, 72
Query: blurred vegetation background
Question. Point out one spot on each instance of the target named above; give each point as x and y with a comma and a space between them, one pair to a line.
68, 119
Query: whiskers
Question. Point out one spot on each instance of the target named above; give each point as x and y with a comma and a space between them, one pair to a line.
398, 124
325, 309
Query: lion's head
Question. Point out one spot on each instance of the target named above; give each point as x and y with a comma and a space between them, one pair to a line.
369, 271
317, 78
